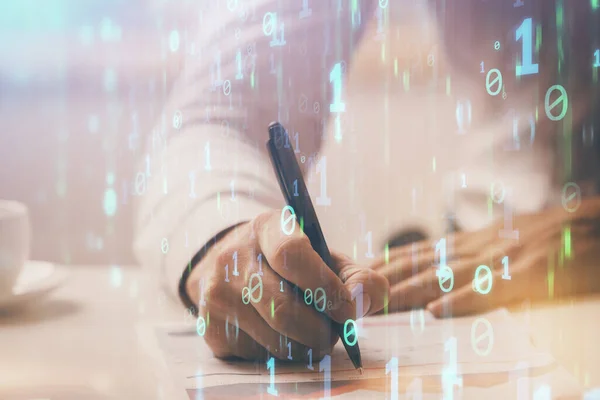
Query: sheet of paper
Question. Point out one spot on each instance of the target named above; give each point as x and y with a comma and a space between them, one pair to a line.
422, 345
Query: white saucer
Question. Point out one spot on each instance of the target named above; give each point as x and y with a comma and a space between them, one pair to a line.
37, 279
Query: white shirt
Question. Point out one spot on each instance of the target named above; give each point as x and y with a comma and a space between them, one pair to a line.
412, 144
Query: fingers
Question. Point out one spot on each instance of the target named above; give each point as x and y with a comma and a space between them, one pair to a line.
405, 252
403, 267
370, 289
228, 340
528, 280
417, 291
236, 338
293, 258
286, 313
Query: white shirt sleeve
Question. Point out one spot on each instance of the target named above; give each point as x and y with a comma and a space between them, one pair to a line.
250, 63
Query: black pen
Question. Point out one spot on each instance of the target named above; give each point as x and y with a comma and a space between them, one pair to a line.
296, 196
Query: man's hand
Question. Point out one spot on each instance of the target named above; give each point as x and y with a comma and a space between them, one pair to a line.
247, 302
556, 254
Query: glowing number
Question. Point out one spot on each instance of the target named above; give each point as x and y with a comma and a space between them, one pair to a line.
563, 98
482, 67
414, 391
289, 346
497, 45
140, 183
309, 365
519, 374
440, 247
207, 156
281, 286
248, 291
335, 77
148, 165
322, 199
285, 222
319, 298
325, 367
571, 191
369, 239
525, 31
296, 188
478, 282
421, 318
544, 392
174, 41
237, 328
357, 296
450, 376
497, 79
177, 119
306, 11
350, 331
227, 87
506, 274
227, 273
392, 368
450, 347
269, 21
444, 275
430, 60
270, 28
297, 149
488, 335
259, 259
308, 297
271, 367
460, 115
238, 59
200, 326
201, 287
235, 259
383, 3
232, 5
164, 246
597, 55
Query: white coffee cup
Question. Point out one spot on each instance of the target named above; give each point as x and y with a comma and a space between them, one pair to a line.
14, 243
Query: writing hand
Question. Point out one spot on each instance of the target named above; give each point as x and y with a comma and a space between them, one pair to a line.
269, 312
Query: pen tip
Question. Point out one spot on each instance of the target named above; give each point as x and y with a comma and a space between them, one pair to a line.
361, 371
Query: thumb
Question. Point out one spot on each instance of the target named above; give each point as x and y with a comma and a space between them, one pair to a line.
369, 288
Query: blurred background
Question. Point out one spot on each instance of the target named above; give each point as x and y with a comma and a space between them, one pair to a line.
81, 84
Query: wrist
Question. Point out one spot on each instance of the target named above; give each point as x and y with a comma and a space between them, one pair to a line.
186, 288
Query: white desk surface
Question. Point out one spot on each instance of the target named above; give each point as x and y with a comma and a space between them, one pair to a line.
82, 342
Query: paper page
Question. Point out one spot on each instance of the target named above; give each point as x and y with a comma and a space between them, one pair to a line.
422, 345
